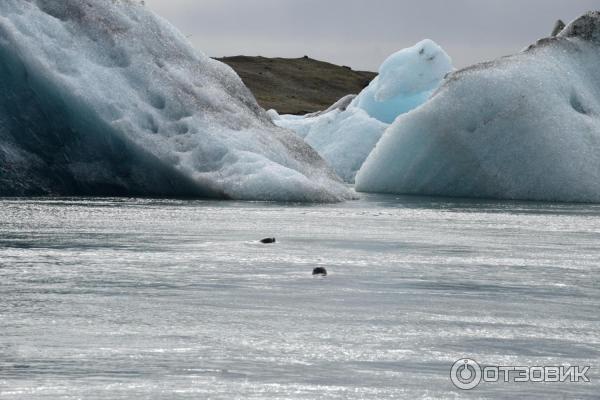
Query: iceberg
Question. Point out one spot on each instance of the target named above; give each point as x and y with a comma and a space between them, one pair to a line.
346, 133
522, 127
105, 98
405, 81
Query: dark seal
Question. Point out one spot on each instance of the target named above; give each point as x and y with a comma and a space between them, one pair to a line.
320, 271
268, 241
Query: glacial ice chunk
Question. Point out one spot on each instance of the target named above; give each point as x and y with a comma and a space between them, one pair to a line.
405, 81
343, 138
521, 127
346, 133
105, 98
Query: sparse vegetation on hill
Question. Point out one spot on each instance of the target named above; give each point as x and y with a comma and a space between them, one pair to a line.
297, 85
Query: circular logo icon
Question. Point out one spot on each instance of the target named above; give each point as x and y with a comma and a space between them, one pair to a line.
466, 374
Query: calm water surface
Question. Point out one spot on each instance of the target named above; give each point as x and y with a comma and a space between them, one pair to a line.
131, 299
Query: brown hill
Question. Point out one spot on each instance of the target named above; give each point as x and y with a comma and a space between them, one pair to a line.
297, 85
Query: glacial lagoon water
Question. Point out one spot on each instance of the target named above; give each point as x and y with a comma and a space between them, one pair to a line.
176, 299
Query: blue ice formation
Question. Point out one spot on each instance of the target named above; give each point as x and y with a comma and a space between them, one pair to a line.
348, 132
405, 81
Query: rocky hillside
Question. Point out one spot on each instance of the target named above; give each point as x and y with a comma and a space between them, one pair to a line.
297, 85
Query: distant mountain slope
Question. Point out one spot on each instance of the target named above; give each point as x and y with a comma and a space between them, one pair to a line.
297, 85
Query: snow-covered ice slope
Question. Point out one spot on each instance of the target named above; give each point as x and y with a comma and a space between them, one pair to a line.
346, 133
521, 127
104, 97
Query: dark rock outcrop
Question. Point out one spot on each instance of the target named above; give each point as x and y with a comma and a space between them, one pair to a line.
558, 27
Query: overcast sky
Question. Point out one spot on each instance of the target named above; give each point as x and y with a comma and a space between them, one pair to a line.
362, 33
